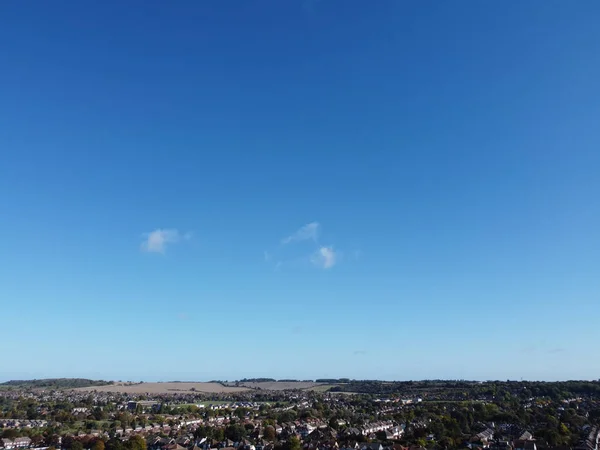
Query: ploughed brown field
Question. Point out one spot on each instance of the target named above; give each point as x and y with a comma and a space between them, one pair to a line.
209, 388
165, 388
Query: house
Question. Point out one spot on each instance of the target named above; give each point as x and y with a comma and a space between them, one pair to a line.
524, 445
20, 442
484, 437
183, 441
173, 446
501, 445
372, 447
352, 432
351, 446
525, 436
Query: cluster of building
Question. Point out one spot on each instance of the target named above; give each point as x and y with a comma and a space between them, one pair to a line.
20, 442
23, 423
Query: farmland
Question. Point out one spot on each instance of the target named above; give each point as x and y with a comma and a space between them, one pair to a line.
166, 388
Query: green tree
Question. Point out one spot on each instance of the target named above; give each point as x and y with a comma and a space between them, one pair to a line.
293, 444
202, 432
562, 429
115, 444
241, 412
235, 432
136, 443
98, 445
218, 434
76, 445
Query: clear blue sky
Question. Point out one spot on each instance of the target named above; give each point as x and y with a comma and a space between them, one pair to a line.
370, 189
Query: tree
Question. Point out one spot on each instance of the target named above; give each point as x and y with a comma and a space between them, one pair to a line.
241, 412
76, 445
99, 414
235, 432
218, 434
53, 440
381, 435
98, 445
9, 434
67, 442
136, 443
201, 432
114, 444
293, 444
333, 423
269, 433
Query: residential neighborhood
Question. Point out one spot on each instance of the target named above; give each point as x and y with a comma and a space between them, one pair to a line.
349, 415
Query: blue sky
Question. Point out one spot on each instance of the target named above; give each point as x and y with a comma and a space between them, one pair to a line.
300, 189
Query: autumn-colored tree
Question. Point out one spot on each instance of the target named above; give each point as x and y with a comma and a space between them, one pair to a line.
269, 433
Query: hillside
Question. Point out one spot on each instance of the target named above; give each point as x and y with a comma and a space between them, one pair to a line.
55, 383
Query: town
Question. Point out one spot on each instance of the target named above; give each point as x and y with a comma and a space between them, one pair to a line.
332, 414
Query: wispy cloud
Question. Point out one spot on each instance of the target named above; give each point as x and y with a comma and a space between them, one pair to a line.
360, 352
529, 349
557, 350
310, 231
287, 255
324, 257
157, 241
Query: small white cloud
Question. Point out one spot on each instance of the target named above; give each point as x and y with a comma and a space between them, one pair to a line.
156, 241
324, 258
309, 231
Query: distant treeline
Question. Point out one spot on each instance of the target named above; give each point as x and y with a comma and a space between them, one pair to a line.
294, 381
257, 380
55, 383
332, 380
272, 380
554, 390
